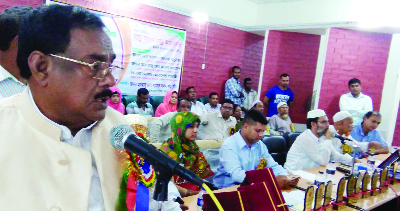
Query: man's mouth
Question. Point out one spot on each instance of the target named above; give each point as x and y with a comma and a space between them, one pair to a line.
103, 96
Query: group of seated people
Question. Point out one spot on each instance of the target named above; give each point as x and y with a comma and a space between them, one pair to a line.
242, 151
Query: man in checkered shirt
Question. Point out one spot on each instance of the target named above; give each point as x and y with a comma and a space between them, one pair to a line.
233, 90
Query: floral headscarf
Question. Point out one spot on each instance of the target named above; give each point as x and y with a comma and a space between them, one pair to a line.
182, 150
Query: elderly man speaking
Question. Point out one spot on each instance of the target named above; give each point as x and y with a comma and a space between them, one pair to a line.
55, 153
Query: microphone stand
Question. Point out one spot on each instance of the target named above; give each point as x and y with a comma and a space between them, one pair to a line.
161, 190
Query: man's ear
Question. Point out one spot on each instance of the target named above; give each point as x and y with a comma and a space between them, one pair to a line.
39, 64
313, 124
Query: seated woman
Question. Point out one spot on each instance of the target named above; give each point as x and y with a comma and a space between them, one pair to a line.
168, 104
183, 148
115, 100
237, 113
137, 188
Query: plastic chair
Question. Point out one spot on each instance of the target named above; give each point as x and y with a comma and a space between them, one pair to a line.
290, 138
204, 99
155, 101
277, 148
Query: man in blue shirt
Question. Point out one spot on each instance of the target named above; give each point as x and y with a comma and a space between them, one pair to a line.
243, 152
277, 94
233, 90
365, 131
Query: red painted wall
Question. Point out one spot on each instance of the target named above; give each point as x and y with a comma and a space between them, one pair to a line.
354, 54
396, 136
8, 3
226, 47
295, 54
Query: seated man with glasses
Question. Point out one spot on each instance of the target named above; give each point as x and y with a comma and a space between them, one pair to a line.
314, 147
218, 125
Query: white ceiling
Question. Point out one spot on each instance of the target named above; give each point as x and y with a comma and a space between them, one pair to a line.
269, 1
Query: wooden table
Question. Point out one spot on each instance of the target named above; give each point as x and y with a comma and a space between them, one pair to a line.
368, 204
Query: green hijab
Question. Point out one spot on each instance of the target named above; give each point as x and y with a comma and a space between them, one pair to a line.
182, 150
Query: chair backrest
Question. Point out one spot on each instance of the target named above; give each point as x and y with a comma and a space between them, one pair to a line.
128, 99
204, 99
290, 138
277, 147
155, 101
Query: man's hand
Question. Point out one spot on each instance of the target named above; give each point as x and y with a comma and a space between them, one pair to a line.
184, 207
284, 181
240, 94
374, 145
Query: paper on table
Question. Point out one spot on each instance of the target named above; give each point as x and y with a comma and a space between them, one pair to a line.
305, 175
294, 197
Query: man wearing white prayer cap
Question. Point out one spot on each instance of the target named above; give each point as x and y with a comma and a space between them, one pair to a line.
343, 125
257, 105
314, 147
280, 123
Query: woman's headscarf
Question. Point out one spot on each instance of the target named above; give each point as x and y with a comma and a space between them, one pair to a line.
116, 106
164, 107
182, 150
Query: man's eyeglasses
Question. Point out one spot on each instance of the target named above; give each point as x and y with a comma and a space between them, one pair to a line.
99, 69
324, 122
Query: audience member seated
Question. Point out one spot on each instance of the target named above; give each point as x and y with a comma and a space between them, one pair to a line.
343, 125
160, 128
182, 147
213, 105
280, 123
355, 102
197, 106
365, 131
115, 100
11, 82
237, 113
219, 125
250, 95
314, 147
257, 105
245, 152
168, 105
142, 106
140, 176
233, 90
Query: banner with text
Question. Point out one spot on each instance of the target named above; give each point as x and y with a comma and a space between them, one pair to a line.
151, 55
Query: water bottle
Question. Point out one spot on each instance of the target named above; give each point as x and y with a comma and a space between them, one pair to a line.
200, 200
371, 163
330, 172
319, 178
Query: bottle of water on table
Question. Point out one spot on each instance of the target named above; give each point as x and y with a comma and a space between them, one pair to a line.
200, 202
330, 172
320, 178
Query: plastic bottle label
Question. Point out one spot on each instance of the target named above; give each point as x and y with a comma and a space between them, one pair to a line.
200, 202
332, 172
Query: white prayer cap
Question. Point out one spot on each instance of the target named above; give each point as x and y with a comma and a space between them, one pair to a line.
281, 104
255, 103
341, 115
315, 113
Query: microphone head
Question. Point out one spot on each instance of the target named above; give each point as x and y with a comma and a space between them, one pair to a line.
117, 135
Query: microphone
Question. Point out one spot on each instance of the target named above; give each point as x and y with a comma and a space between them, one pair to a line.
123, 137
342, 138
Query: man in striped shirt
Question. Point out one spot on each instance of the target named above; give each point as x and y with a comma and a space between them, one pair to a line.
11, 81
